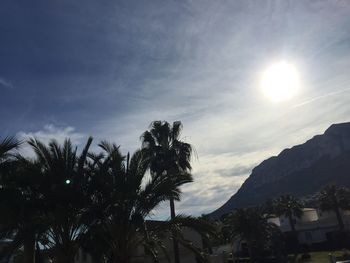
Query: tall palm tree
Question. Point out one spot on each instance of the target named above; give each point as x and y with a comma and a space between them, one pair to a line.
63, 187
169, 156
123, 197
251, 226
334, 198
290, 207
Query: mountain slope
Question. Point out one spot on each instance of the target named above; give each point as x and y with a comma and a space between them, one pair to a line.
301, 170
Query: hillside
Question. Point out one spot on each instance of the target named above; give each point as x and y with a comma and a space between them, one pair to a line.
301, 170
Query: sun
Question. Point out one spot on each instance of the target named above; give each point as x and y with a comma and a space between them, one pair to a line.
280, 81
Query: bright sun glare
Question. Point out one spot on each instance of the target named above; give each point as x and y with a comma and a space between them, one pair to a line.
280, 81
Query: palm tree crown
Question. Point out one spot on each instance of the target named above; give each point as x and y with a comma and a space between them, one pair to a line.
168, 153
290, 207
252, 226
63, 187
334, 198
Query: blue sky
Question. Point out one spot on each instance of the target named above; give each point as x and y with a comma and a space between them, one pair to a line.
108, 68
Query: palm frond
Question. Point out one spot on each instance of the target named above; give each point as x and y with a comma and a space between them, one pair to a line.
147, 140
176, 130
42, 152
8, 144
84, 155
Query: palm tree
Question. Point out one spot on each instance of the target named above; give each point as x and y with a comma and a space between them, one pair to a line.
290, 207
124, 195
15, 202
268, 207
63, 187
334, 198
19, 202
21, 208
169, 156
251, 226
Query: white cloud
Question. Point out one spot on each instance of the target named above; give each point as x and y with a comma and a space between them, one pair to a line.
212, 184
48, 133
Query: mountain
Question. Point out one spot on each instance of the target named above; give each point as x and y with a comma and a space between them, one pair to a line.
301, 170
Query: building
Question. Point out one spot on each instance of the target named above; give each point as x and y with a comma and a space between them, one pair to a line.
314, 226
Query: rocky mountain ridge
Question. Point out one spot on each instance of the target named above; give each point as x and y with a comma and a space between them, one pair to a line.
300, 170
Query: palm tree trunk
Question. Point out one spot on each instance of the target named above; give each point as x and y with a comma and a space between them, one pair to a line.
250, 251
292, 226
339, 218
29, 248
175, 243
294, 236
38, 256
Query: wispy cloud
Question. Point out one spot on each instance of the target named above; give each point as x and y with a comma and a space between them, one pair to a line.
321, 97
4, 83
195, 61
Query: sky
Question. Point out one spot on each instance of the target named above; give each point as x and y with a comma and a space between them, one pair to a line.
109, 68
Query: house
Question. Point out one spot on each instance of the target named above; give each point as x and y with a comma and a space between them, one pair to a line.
314, 225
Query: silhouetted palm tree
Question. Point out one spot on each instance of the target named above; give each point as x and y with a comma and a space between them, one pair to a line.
290, 207
10, 197
63, 187
169, 156
268, 207
19, 201
123, 197
334, 198
251, 226
21, 216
